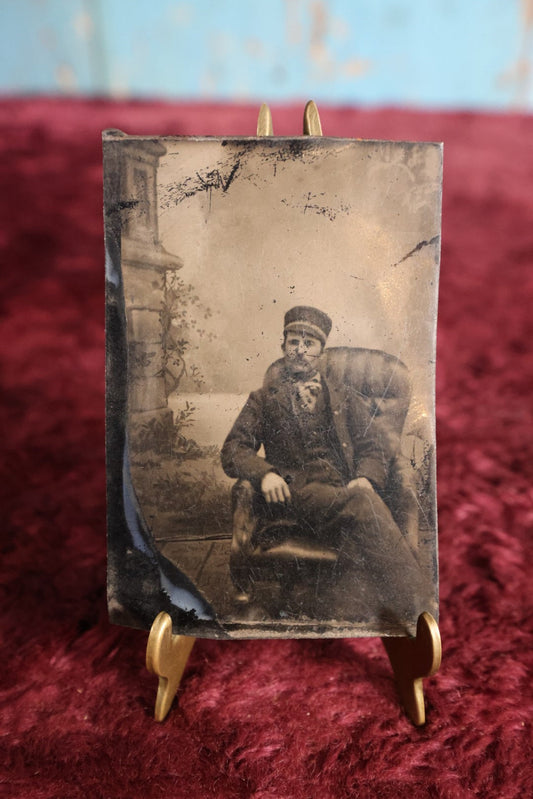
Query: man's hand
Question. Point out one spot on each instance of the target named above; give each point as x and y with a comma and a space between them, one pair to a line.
360, 482
274, 488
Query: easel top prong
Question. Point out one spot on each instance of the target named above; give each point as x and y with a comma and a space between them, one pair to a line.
312, 126
264, 122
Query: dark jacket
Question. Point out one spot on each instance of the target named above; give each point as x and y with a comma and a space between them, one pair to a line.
369, 394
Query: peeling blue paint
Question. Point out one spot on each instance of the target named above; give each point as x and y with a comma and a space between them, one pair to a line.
437, 53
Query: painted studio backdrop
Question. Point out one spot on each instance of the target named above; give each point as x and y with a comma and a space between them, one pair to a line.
210, 243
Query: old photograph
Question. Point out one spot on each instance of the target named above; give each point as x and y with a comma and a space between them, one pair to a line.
271, 316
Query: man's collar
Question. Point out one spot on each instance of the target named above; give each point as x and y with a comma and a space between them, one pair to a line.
302, 377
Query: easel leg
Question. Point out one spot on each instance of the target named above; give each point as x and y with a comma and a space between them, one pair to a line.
412, 659
166, 656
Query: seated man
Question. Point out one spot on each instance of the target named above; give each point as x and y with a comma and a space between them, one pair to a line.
328, 452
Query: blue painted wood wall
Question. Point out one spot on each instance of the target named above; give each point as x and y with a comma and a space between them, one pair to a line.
425, 53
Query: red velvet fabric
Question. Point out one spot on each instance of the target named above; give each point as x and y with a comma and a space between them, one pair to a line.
275, 718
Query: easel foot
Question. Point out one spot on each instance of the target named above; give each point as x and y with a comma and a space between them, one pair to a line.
412, 659
166, 656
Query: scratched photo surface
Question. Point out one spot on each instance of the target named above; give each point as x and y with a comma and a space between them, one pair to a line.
271, 362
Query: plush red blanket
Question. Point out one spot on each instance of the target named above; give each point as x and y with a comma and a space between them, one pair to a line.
269, 719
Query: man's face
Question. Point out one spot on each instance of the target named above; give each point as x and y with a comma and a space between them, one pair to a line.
301, 351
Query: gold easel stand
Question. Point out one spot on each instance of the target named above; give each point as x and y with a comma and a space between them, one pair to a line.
412, 659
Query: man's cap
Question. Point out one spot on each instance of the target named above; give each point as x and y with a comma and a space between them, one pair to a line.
311, 320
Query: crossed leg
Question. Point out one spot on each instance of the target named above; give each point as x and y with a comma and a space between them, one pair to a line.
377, 571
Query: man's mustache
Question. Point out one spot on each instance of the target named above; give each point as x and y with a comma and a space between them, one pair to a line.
303, 358
303, 362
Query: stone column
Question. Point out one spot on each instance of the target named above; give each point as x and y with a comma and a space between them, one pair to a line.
145, 263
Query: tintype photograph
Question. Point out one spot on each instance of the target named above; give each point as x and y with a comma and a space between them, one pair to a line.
271, 315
